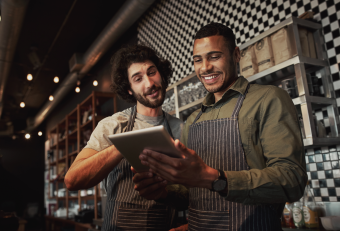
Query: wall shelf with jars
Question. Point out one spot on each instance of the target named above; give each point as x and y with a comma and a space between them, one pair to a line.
66, 140
302, 70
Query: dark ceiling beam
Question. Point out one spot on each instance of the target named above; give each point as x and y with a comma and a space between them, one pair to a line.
127, 15
12, 16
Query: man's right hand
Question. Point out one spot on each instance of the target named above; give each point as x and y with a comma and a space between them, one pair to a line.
149, 186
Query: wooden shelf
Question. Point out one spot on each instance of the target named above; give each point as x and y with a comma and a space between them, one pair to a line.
86, 124
86, 198
72, 142
62, 159
74, 153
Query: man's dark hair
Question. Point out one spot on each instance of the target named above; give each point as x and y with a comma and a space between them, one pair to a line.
215, 28
123, 59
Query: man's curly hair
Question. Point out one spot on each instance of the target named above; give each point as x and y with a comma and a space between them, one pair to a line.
123, 59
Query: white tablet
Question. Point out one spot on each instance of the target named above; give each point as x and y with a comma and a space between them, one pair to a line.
131, 144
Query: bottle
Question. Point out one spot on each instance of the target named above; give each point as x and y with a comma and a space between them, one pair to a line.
298, 218
288, 215
310, 210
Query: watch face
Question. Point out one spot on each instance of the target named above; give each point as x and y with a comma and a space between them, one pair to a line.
219, 185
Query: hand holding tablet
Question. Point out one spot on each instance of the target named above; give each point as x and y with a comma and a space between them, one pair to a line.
131, 144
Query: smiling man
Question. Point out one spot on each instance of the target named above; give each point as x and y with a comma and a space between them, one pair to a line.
243, 155
138, 75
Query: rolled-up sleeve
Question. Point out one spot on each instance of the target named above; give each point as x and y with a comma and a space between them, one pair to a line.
283, 177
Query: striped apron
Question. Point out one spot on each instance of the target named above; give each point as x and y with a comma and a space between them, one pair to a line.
125, 209
218, 143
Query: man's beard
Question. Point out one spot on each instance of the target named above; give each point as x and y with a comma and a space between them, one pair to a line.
147, 103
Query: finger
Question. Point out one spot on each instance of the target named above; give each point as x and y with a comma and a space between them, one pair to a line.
133, 170
153, 190
141, 176
159, 157
147, 183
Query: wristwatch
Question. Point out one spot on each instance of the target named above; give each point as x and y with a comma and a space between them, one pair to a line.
220, 184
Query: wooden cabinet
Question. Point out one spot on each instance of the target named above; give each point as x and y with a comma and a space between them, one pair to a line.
66, 140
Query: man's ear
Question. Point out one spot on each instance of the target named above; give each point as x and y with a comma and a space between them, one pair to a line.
130, 92
237, 54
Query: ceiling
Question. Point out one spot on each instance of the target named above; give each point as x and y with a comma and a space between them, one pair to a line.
52, 32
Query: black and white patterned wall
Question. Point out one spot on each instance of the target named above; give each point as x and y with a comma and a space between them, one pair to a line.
170, 25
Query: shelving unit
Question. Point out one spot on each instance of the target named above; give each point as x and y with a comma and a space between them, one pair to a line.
297, 66
67, 139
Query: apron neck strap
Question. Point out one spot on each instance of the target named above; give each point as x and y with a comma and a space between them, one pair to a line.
240, 102
133, 117
237, 107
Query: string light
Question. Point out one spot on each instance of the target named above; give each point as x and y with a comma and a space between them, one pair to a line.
95, 83
51, 98
22, 104
39, 133
56, 79
29, 77
27, 136
77, 89
14, 137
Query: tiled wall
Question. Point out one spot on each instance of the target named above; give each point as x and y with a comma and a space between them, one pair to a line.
170, 25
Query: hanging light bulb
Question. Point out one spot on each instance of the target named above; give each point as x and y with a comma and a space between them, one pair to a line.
27, 136
39, 133
22, 104
56, 79
14, 137
51, 98
95, 83
29, 77
77, 89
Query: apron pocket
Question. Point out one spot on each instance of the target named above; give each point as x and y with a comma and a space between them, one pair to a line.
134, 217
200, 220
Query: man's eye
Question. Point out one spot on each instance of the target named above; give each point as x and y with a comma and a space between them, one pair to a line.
214, 57
197, 60
138, 79
152, 73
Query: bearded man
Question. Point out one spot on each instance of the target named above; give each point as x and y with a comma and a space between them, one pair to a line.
138, 75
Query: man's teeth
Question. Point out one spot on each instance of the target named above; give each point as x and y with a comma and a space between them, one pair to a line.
211, 77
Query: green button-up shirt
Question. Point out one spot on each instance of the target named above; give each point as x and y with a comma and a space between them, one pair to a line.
271, 140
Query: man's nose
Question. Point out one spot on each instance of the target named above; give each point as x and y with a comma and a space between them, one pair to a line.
206, 66
149, 82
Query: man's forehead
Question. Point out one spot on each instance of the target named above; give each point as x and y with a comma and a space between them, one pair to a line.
208, 44
140, 66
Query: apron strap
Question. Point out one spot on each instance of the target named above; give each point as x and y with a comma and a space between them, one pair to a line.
239, 103
236, 109
133, 117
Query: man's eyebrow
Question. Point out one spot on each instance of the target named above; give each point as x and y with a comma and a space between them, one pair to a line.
209, 53
137, 73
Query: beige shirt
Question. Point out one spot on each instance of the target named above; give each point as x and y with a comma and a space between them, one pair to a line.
117, 123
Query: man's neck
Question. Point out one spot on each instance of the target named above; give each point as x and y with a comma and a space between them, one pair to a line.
218, 95
147, 111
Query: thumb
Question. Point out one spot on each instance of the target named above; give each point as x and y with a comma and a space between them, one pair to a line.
133, 170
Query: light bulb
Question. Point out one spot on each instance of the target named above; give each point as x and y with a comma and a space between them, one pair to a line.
95, 83
29, 77
22, 104
27, 136
51, 98
56, 79
77, 89
14, 137
39, 133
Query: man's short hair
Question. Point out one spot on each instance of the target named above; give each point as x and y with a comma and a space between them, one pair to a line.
215, 28
122, 60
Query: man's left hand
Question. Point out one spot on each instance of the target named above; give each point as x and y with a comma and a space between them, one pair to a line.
190, 170
149, 186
